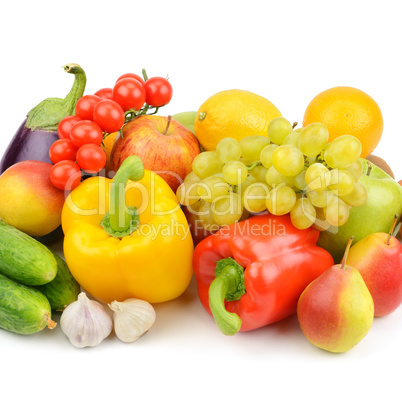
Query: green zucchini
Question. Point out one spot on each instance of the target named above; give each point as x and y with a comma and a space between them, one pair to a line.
23, 310
24, 259
63, 289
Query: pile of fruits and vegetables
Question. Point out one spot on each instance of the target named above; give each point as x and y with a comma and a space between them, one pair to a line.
272, 218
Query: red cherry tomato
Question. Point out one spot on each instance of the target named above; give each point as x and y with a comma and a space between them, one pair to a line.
129, 94
62, 150
105, 93
132, 75
66, 124
65, 175
91, 158
85, 106
109, 115
158, 91
86, 132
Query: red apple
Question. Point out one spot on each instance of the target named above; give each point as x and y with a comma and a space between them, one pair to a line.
28, 200
164, 145
378, 258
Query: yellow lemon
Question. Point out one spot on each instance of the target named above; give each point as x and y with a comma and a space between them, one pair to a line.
233, 113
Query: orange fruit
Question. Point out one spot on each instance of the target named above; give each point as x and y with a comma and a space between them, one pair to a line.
107, 145
233, 113
347, 110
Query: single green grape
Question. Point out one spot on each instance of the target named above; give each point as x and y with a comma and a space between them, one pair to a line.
246, 183
252, 146
234, 172
192, 178
274, 178
205, 217
320, 199
317, 177
228, 149
342, 151
227, 209
313, 139
292, 138
356, 169
337, 212
255, 197
206, 164
288, 160
342, 182
357, 197
281, 200
303, 214
212, 187
266, 155
259, 173
278, 129
300, 181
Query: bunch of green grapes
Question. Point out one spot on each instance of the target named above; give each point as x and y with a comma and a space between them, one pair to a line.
290, 171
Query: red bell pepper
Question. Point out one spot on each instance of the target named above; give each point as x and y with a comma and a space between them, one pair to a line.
252, 273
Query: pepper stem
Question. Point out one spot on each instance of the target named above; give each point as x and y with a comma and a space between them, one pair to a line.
121, 220
227, 285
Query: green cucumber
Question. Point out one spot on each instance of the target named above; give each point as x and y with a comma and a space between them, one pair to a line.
24, 259
63, 289
23, 310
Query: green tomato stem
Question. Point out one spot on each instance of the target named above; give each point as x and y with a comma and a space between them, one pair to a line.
144, 74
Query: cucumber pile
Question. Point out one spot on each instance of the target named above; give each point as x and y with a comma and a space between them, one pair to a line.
33, 282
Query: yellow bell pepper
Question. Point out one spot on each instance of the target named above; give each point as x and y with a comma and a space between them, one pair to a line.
127, 237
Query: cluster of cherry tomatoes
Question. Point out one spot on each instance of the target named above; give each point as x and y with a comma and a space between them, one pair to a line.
80, 137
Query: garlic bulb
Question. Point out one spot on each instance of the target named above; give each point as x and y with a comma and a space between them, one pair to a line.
132, 318
86, 322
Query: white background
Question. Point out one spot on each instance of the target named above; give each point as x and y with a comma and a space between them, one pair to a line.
286, 51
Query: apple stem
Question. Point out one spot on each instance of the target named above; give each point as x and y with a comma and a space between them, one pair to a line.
391, 230
345, 256
169, 119
294, 125
369, 167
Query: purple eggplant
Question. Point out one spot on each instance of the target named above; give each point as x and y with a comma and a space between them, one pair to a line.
39, 130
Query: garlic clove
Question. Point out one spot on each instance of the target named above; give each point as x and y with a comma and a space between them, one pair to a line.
132, 318
86, 322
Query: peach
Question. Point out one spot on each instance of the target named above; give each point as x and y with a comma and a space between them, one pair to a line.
28, 200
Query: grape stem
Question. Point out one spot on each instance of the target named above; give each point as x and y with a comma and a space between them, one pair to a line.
253, 165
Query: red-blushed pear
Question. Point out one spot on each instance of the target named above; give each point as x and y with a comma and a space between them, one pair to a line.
378, 258
336, 310
164, 146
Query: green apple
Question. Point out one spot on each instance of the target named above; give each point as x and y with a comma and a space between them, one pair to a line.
186, 118
384, 201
